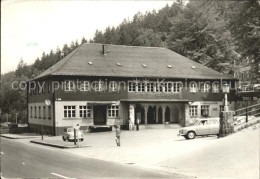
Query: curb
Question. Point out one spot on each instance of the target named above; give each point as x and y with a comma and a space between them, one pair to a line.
165, 170
56, 145
8, 137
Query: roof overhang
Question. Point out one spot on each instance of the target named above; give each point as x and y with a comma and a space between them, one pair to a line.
157, 100
102, 103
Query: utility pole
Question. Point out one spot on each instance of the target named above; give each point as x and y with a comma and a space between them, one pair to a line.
7, 118
16, 117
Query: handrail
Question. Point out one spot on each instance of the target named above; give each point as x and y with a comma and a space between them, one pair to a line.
247, 107
252, 110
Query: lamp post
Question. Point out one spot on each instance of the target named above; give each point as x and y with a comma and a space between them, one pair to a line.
225, 91
226, 121
47, 103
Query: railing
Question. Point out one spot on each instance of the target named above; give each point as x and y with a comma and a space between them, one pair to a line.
244, 114
249, 89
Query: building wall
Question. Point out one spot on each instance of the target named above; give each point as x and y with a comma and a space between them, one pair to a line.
68, 122
214, 110
123, 93
179, 113
35, 119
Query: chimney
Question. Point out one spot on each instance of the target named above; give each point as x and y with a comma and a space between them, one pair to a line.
105, 49
62, 54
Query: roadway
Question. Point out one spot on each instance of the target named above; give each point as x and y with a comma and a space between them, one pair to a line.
26, 160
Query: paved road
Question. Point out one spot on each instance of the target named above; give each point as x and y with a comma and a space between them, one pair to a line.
32, 161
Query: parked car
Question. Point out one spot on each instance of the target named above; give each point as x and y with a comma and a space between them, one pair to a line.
68, 134
242, 119
201, 127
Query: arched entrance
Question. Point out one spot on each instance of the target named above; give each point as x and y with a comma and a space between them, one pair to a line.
151, 115
167, 114
139, 113
175, 114
160, 115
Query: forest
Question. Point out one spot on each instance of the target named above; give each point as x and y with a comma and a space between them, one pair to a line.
218, 34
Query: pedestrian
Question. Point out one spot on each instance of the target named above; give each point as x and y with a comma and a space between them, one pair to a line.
137, 124
130, 124
118, 132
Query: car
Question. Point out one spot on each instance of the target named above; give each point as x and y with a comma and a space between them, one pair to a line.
201, 127
242, 119
68, 135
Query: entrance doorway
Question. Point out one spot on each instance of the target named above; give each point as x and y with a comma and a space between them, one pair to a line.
167, 114
99, 115
151, 115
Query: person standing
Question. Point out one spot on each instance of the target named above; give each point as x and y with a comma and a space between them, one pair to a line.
137, 124
118, 132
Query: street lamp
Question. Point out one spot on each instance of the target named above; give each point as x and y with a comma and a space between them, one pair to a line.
225, 91
47, 103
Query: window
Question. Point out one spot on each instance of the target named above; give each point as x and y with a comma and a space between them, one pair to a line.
98, 86
35, 112
49, 112
113, 111
49, 87
156, 87
85, 86
31, 88
69, 86
69, 111
168, 87
159, 86
193, 110
204, 111
39, 113
176, 87
113, 86
140, 87
31, 112
150, 87
212, 122
193, 87
215, 88
221, 108
41, 88
131, 86
205, 88
44, 112
85, 111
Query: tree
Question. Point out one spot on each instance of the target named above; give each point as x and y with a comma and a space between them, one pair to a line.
99, 37
244, 25
83, 40
199, 32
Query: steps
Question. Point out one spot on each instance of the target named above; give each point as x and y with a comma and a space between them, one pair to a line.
160, 126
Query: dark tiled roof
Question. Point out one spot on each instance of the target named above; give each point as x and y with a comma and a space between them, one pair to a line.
130, 61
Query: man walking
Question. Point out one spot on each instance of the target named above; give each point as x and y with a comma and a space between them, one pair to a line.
118, 132
137, 124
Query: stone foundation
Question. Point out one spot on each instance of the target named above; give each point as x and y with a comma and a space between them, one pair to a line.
226, 123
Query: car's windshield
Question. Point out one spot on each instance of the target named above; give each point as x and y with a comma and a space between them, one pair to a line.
70, 130
201, 123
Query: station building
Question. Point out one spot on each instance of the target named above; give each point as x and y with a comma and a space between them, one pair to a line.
106, 85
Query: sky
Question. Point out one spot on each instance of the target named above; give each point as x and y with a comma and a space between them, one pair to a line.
29, 28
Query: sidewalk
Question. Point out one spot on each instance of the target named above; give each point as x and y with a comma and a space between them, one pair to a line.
21, 136
56, 141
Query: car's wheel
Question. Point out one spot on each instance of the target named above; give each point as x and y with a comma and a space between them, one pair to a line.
191, 135
63, 137
68, 139
81, 140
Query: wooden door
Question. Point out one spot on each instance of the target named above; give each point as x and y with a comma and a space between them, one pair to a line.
100, 115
